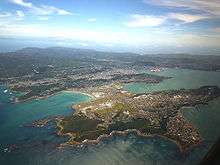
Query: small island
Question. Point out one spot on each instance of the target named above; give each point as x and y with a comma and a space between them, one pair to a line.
114, 111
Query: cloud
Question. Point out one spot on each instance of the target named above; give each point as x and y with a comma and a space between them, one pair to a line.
138, 20
62, 12
211, 7
187, 18
42, 9
19, 15
43, 18
4, 18
23, 3
215, 30
92, 20
83, 44
39, 30
5, 15
9, 16
47, 10
149, 38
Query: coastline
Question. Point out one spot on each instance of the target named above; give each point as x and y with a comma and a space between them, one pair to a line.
182, 149
50, 95
76, 91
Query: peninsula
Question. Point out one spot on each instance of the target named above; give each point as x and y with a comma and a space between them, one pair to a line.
146, 114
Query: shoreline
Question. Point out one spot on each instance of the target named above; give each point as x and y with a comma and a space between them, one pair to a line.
119, 133
183, 148
50, 95
79, 92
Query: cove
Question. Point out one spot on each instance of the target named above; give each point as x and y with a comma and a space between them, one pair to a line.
13, 116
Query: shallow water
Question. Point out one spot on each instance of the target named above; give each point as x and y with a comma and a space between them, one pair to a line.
15, 121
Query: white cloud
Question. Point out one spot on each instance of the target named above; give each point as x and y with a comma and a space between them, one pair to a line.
92, 20
154, 36
84, 36
39, 30
216, 30
63, 12
208, 6
19, 15
207, 9
22, 3
138, 20
187, 18
9, 16
47, 10
5, 14
42, 9
43, 18
83, 44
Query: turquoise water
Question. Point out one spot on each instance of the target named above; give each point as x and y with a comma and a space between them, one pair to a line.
38, 146
15, 118
181, 78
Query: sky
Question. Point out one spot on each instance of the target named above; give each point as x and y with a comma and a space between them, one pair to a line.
143, 26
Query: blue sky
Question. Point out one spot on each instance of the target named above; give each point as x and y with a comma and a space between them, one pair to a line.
146, 26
